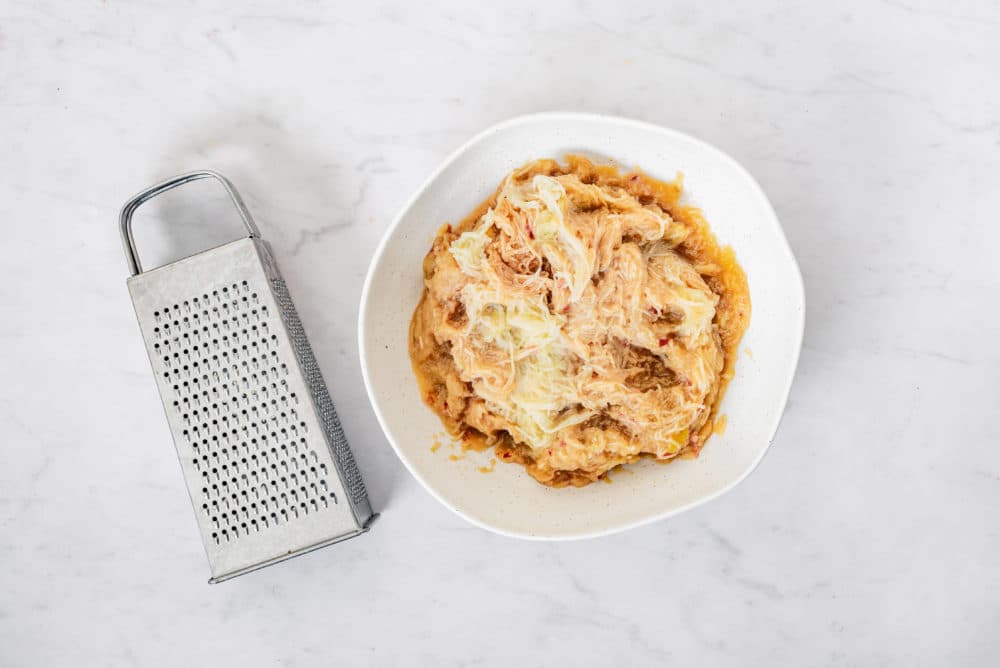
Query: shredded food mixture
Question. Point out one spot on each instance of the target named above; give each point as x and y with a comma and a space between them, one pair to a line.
578, 320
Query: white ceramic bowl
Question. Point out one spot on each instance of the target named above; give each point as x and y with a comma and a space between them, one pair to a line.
507, 500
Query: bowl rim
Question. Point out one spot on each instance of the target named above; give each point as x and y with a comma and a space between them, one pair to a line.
391, 230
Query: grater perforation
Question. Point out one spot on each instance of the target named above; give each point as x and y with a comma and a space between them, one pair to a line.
255, 402
268, 469
327, 413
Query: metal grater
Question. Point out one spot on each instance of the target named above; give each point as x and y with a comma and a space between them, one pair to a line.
266, 463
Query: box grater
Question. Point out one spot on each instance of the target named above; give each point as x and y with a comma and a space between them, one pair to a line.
265, 459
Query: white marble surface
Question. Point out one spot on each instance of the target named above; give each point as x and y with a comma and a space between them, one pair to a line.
869, 535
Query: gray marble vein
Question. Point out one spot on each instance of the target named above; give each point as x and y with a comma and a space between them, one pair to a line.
868, 536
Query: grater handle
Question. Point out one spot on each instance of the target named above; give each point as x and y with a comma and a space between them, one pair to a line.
125, 220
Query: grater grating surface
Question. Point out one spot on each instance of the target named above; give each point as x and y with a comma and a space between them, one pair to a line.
265, 459
327, 413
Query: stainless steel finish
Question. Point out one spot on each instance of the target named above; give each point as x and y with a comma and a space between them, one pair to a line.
267, 466
125, 219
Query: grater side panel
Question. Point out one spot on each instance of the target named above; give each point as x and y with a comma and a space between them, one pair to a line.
343, 457
253, 449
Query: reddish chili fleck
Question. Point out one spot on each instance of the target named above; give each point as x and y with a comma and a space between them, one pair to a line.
531, 233
565, 309
446, 405
506, 455
663, 342
634, 177
550, 451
